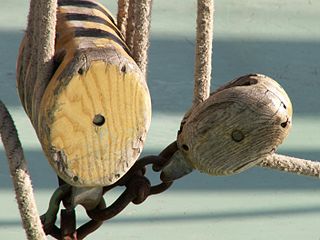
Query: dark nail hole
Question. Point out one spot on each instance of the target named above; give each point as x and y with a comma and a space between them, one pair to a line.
98, 120
75, 178
284, 124
185, 147
124, 69
80, 71
237, 136
285, 107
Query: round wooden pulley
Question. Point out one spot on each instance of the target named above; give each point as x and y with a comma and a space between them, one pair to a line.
94, 118
93, 115
236, 127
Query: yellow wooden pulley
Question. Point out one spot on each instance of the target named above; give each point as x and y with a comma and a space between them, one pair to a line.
96, 110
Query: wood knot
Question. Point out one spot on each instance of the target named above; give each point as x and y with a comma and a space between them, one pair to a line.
99, 120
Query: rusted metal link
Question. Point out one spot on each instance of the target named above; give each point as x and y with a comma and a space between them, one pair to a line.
55, 232
138, 188
68, 224
49, 218
101, 215
68, 219
92, 225
160, 188
165, 157
88, 228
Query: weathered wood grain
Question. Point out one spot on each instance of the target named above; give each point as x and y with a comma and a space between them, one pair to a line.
237, 127
95, 111
83, 149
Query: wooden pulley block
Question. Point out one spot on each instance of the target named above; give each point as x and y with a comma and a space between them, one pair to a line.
234, 129
96, 110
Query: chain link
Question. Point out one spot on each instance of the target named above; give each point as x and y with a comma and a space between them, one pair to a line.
138, 189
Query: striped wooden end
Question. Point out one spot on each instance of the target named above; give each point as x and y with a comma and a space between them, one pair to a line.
95, 111
94, 124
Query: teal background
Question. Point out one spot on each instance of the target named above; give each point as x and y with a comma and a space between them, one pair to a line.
279, 38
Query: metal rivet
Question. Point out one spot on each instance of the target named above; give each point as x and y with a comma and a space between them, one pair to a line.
75, 178
237, 136
98, 120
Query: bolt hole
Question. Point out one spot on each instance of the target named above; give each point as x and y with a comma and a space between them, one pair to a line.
185, 147
237, 136
98, 120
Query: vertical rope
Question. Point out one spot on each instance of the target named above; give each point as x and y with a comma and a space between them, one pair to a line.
122, 16
35, 72
36, 61
130, 31
202, 75
20, 176
44, 42
28, 61
141, 37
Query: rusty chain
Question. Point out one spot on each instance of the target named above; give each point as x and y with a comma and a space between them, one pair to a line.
137, 189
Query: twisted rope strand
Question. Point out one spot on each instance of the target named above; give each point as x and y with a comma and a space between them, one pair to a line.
122, 16
130, 29
293, 165
141, 36
20, 176
203, 53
